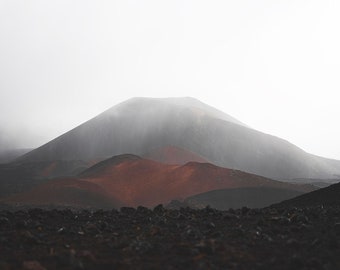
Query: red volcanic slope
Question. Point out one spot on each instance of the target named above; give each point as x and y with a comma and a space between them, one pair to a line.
48, 170
134, 181
173, 155
66, 192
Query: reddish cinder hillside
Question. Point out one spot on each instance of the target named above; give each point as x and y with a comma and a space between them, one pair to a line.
173, 155
133, 181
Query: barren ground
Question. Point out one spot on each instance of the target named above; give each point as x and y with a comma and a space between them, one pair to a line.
271, 238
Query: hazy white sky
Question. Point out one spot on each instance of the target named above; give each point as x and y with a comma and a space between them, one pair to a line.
274, 65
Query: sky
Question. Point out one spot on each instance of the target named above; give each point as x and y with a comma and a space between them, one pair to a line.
274, 65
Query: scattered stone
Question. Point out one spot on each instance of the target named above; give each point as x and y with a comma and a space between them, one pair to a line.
159, 209
211, 225
4, 266
91, 228
32, 265
315, 242
21, 224
245, 210
337, 226
86, 254
4, 221
128, 210
292, 242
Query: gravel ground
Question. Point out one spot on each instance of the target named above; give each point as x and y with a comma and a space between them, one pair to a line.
271, 238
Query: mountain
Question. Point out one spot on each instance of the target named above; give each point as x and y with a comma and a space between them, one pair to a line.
173, 155
140, 125
329, 196
10, 154
251, 197
321, 183
133, 181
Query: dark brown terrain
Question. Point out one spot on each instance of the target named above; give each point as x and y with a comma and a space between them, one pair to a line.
271, 238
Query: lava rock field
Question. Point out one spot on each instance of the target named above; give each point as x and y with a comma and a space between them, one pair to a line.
161, 238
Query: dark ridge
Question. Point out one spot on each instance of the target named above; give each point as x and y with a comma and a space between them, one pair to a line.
252, 197
20, 177
325, 196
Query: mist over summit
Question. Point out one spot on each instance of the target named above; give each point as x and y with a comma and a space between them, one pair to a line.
141, 125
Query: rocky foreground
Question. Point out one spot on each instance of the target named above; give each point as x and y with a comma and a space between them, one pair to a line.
271, 238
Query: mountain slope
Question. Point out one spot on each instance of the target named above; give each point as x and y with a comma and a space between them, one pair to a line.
67, 192
9, 155
173, 155
140, 125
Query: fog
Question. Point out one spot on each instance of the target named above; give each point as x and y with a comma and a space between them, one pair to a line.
273, 65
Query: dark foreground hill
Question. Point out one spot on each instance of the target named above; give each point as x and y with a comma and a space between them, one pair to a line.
21, 177
326, 196
276, 239
252, 197
68, 193
140, 125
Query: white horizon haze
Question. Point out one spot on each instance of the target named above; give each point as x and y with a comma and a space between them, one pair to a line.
273, 65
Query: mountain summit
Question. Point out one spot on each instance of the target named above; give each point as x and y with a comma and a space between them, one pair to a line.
140, 125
